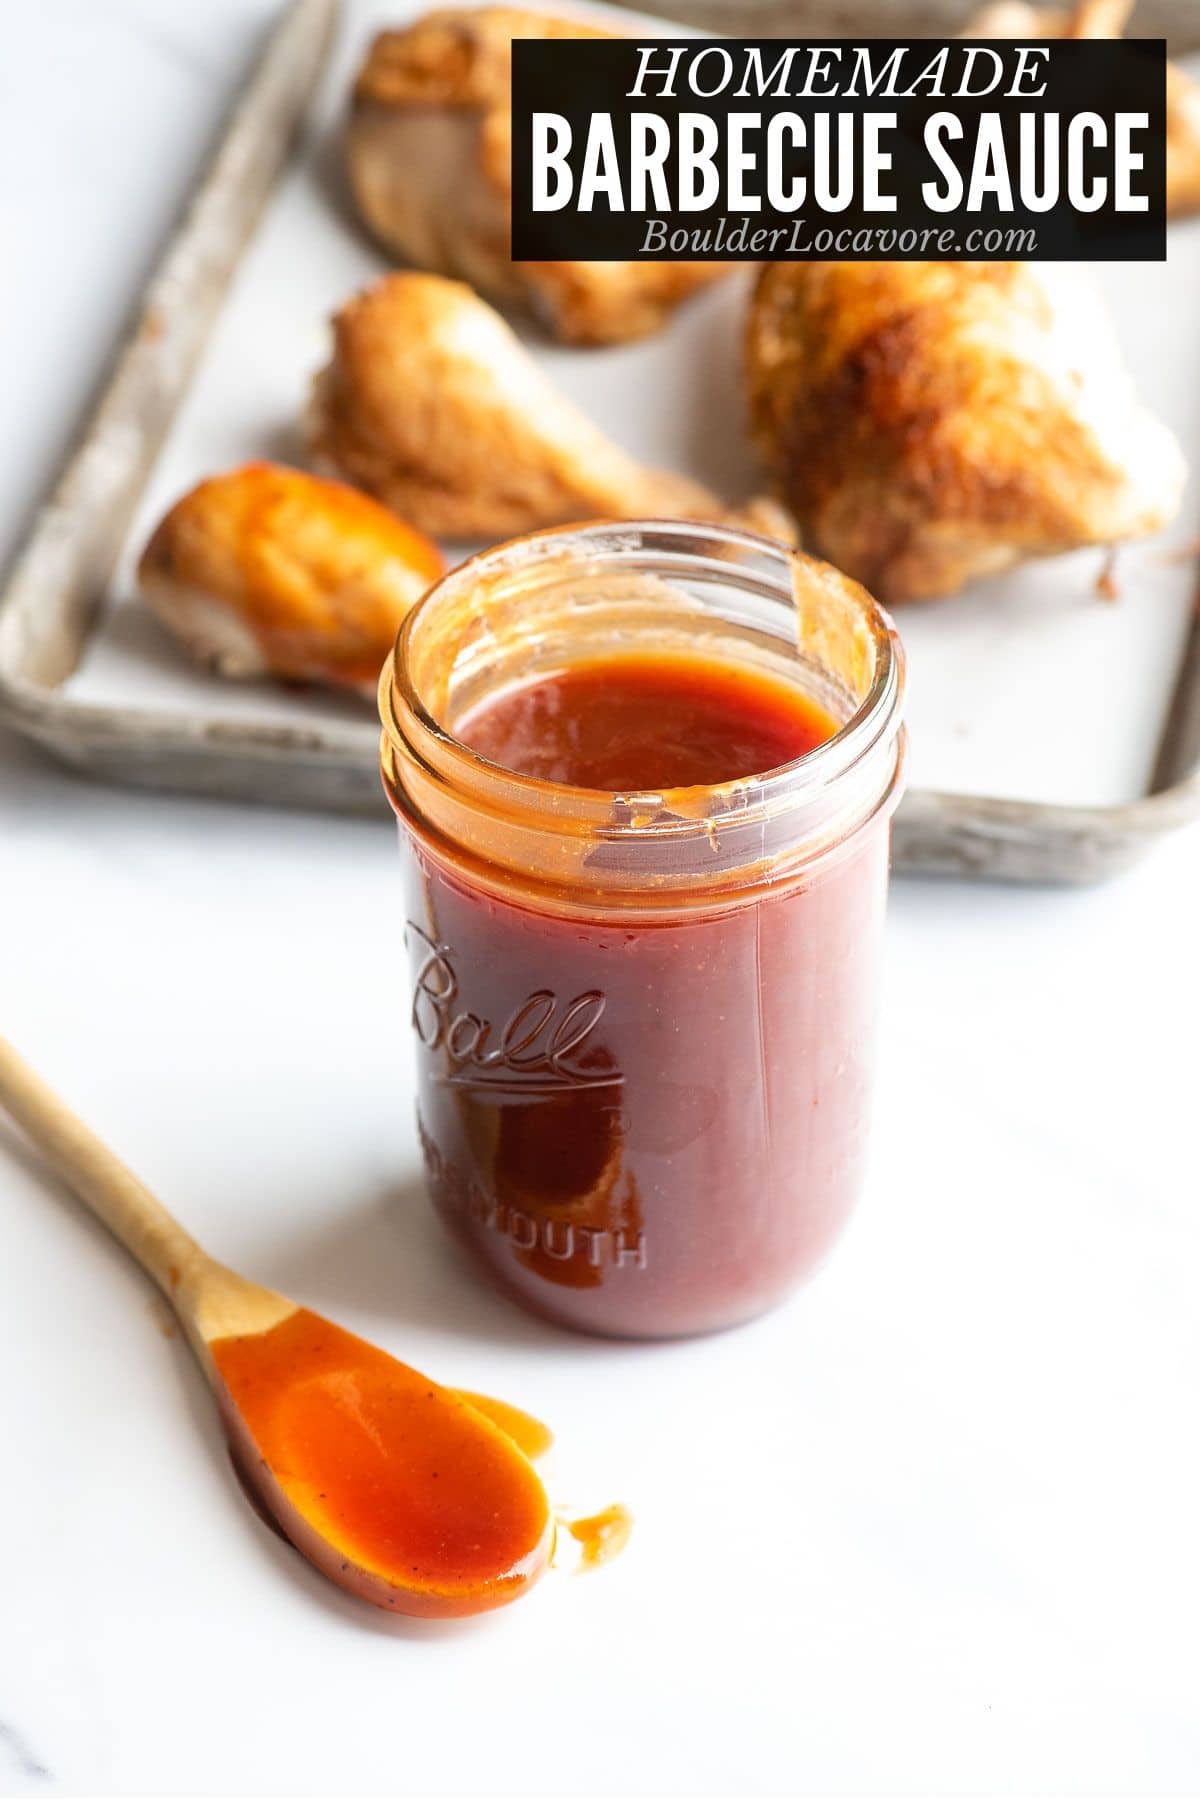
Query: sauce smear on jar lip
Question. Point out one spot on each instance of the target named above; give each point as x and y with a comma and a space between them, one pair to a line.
624, 724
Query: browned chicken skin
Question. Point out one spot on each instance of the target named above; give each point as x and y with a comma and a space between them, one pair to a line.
932, 422
427, 149
269, 570
1108, 19
431, 404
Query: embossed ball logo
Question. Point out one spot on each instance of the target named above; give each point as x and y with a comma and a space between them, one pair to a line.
537, 1049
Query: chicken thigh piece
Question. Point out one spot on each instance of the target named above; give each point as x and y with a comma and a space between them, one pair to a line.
1108, 19
932, 422
267, 570
428, 156
431, 404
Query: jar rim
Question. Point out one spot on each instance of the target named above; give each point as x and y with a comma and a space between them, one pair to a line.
875, 718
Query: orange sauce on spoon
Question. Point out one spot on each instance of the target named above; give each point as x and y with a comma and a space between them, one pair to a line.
527, 1433
401, 1490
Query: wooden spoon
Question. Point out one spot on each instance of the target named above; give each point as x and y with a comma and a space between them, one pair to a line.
399, 1490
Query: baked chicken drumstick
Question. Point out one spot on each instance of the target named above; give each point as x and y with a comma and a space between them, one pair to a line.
432, 405
1108, 19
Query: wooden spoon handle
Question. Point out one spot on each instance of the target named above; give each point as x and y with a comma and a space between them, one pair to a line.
101, 1180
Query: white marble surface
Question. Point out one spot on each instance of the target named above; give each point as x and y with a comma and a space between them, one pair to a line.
929, 1529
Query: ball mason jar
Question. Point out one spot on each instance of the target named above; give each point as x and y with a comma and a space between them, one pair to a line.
643, 1021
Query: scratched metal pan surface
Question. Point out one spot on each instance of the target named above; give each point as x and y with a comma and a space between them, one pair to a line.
1054, 737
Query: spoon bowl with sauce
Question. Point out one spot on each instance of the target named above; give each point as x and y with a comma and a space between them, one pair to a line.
412, 1496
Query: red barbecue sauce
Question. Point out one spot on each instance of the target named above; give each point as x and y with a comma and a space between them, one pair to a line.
415, 1500
646, 1124
633, 724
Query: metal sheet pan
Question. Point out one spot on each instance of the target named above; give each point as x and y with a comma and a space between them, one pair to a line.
324, 755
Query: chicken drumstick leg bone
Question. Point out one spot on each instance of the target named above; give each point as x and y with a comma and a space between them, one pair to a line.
431, 404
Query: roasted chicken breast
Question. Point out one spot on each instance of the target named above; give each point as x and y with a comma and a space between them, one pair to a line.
931, 422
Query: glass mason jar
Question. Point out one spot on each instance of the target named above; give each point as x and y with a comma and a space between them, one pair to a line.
644, 1021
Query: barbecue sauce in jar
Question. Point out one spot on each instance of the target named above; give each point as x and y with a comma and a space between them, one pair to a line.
643, 920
